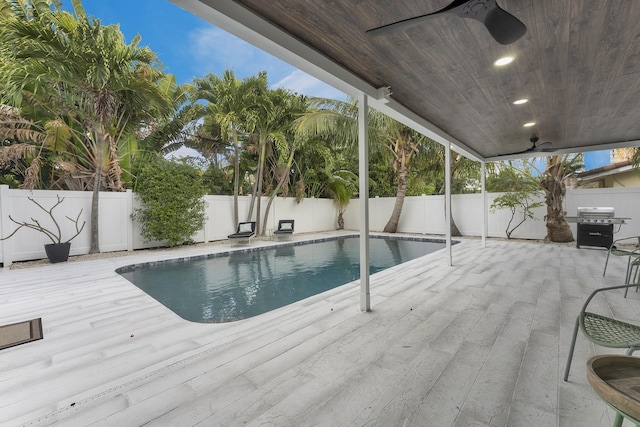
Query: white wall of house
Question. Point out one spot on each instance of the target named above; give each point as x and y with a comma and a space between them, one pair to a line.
421, 215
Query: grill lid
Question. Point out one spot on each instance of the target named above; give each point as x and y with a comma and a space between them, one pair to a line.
596, 212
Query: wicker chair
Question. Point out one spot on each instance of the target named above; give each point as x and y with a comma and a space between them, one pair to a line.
604, 331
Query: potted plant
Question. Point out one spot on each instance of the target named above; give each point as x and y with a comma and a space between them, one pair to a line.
57, 251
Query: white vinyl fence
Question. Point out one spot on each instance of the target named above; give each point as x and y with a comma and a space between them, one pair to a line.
118, 232
425, 214
421, 215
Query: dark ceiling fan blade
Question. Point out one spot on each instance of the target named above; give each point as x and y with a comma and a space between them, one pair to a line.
405, 24
503, 27
545, 147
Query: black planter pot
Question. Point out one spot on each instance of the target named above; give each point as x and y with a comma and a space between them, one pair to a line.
57, 252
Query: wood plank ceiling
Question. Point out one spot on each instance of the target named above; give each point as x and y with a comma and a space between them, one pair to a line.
578, 64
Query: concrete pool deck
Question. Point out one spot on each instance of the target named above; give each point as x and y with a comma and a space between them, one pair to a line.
481, 343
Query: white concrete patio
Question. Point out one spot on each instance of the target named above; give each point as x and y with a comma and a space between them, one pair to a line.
481, 343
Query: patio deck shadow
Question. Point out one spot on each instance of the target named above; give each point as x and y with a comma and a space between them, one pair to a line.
481, 343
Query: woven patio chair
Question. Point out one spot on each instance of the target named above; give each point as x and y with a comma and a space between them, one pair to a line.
604, 331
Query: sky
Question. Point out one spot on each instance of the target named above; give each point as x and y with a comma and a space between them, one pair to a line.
190, 47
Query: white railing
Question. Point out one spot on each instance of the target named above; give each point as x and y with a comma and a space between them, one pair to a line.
421, 214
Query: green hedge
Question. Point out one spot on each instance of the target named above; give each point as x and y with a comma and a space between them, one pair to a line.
173, 205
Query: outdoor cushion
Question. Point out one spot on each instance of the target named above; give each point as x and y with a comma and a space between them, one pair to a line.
286, 226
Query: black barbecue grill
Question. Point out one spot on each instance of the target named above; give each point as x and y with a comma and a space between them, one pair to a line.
595, 226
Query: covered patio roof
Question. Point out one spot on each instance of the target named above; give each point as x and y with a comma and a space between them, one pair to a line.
578, 65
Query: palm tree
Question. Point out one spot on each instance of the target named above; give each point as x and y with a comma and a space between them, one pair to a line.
229, 101
267, 116
76, 68
160, 134
558, 169
278, 143
403, 143
342, 186
337, 120
286, 142
23, 140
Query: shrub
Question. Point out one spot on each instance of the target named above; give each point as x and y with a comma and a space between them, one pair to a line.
173, 207
514, 201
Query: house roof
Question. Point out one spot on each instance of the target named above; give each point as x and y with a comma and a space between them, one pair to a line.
609, 169
578, 64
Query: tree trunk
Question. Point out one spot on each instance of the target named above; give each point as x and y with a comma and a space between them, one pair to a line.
392, 224
340, 219
454, 228
261, 161
281, 182
236, 177
554, 188
94, 247
254, 187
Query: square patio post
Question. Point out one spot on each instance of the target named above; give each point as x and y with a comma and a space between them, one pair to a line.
363, 154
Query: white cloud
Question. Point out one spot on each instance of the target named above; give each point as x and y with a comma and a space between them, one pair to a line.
215, 51
301, 82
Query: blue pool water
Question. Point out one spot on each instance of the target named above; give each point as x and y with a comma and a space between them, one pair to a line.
247, 283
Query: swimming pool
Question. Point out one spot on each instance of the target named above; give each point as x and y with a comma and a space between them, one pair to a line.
242, 284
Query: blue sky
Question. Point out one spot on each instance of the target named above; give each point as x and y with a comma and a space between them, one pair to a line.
191, 47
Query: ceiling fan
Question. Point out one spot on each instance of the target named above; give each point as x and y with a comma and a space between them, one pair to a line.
544, 147
503, 26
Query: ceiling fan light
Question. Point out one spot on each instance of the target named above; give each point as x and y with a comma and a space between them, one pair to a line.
503, 61
521, 101
529, 124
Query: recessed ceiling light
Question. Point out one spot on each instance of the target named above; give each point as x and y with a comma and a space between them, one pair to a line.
528, 125
503, 61
521, 101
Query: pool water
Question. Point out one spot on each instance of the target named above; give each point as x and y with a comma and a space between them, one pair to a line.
247, 283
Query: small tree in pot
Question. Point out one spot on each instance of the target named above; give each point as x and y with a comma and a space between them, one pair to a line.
57, 251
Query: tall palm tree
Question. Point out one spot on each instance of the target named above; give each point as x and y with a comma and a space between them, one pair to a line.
229, 101
273, 123
286, 142
403, 143
77, 68
266, 118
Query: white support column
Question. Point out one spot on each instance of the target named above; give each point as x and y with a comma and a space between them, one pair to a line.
485, 212
363, 155
447, 201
